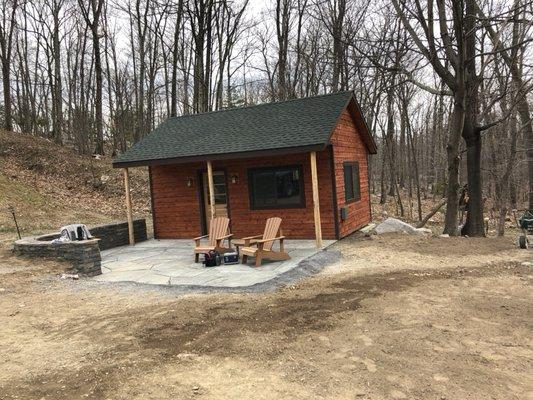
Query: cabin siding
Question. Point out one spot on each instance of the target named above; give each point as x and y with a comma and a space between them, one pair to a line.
175, 206
177, 212
348, 146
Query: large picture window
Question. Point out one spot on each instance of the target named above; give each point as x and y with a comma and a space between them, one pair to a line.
276, 187
352, 185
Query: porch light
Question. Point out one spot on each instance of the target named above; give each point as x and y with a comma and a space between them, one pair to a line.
234, 178
189, 182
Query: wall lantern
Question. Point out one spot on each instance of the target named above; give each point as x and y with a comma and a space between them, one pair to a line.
234, 178
189, 182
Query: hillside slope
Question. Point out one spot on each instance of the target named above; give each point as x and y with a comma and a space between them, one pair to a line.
50, 186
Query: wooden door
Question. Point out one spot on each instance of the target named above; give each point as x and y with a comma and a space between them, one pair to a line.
221, 198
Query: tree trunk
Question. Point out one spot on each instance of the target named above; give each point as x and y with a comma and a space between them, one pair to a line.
525, 119
58, 87
8, 118
474, 225
99, 149
452, 153
175, 49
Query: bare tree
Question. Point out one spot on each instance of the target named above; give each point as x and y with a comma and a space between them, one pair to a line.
7, 28
91, 11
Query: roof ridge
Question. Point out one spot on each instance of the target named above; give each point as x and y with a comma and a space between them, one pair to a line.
261, 104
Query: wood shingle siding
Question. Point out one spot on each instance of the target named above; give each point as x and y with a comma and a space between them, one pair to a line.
348, 147
177, 212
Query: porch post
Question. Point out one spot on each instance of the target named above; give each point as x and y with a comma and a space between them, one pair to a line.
211, 185
316, 201
128, 205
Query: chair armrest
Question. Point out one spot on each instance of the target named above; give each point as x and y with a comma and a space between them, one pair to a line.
200, 237
251, 237
271, 240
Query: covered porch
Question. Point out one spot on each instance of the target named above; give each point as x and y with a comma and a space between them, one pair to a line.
187, 196
170, 262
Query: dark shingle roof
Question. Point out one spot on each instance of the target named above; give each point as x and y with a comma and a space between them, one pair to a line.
272, 126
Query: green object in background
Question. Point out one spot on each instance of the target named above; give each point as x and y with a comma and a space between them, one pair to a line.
526, 221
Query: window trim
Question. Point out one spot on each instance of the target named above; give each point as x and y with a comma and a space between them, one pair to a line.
250, 172
351, 164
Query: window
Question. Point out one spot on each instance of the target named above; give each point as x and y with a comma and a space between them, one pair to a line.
352, 186
219, 184
276, 187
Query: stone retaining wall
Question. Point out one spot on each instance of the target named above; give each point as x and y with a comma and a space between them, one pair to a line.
84, 255
114, 235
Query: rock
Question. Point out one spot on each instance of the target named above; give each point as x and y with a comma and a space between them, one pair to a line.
425, 231
527, 264
70, 276
444, 235
393, 225
368, 229
195, 388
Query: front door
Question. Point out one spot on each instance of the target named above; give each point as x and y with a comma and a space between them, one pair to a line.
221, 198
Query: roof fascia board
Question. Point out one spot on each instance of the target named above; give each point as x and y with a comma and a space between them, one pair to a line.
219, 157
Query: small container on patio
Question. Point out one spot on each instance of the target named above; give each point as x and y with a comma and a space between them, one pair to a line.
231, 258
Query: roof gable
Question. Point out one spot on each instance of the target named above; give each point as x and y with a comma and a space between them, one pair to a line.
278, 127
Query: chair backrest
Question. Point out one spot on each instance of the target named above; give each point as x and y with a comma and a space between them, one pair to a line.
218, 227
271, 231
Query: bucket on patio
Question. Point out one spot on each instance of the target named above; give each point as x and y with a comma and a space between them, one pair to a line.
231, 257
212, 259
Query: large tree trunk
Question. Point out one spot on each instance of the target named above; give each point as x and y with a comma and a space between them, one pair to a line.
471, 133
474, 218
525, 119
452, 153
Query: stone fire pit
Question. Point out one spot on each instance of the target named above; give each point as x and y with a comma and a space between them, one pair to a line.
83, 255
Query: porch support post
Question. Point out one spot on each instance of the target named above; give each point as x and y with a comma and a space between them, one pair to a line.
128, 205
316, 201
211, 185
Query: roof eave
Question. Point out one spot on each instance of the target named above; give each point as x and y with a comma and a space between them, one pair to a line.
220, 157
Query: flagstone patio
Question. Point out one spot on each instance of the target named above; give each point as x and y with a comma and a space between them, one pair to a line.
171, 262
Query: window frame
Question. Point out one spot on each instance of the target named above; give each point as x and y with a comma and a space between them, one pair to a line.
251, 171
352, 164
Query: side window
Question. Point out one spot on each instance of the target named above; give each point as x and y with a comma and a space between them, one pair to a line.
352, 184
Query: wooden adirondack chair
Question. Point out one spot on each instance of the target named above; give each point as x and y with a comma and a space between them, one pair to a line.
264, 245
218, 232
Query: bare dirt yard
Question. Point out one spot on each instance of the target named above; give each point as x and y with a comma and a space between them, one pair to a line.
398, 317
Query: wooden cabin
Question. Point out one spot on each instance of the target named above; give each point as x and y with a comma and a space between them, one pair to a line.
304, 160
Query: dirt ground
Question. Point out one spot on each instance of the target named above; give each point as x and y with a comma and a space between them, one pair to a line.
397, 318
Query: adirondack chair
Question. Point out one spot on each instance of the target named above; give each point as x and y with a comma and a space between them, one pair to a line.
265, 244
218, 232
